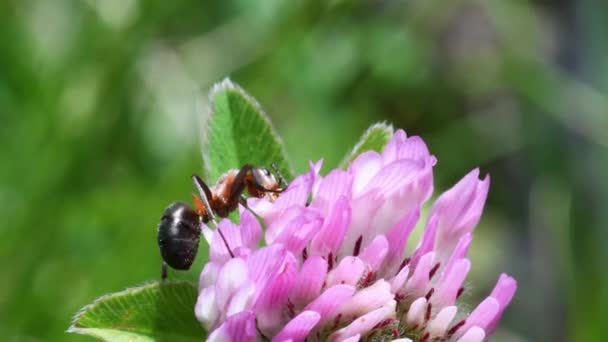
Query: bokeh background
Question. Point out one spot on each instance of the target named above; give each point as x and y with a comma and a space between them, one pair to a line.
99, 102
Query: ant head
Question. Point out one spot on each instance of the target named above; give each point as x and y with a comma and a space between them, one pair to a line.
264, 178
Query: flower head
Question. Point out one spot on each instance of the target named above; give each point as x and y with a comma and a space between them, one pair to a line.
333, 264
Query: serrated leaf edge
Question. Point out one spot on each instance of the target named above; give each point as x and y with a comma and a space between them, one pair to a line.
74, 329
227, 84
382, 125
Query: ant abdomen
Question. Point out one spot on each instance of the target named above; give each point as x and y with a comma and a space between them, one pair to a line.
178, 235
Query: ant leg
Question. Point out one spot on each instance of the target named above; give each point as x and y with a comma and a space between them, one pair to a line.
163, 271
238, 185
205, 195
279, 174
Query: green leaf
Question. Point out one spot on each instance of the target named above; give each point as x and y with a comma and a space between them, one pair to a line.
376, 136
159, 311
238, 133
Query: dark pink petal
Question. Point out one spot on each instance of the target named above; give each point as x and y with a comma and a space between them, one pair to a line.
365, 323
239, 327
272, 300
373, 255
309, 281
348, 271
336, 184
250, 230
329, 302
364, 168
503, 292
331, 235
450, 283
298, 328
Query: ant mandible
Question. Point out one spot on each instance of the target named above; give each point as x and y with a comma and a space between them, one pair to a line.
179, 228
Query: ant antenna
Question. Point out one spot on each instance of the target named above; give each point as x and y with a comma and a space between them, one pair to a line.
279, 174
198, 182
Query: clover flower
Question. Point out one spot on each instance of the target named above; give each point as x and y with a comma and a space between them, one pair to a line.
333, 265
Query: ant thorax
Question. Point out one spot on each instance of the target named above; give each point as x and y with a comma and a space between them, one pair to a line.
221, 189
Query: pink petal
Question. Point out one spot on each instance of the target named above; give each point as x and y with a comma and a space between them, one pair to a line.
331, 235
299, 231
289, 217
482, 316
503, 292
310, 281
330, 301
401, 147
368, 299
208, 275
232, 276
348, 271
404, 185
397, 240
364, 168
459, 210
239, 327
365, 323
206, 309
416, 312
399, 280
450, 283
474, 334
363, 210
460, 251
298, 328
417, 285
337, 183
439, 325
217, 248
242, 299
428, 240
354, 338
264, 263
373, 255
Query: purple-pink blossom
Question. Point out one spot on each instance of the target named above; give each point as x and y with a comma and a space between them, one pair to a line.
333, 264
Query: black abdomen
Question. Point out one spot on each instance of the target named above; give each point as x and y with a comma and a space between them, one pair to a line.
178, 235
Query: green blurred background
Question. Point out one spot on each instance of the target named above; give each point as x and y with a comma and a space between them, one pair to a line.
98, 133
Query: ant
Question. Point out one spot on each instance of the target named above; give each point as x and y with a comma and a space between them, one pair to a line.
179, 228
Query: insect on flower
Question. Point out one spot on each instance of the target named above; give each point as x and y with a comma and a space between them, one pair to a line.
179, 228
